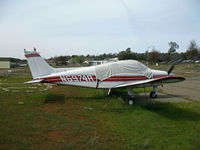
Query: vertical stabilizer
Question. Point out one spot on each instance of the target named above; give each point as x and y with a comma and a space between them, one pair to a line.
38, 66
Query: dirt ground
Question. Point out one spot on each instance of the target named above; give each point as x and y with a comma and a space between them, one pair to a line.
186, 91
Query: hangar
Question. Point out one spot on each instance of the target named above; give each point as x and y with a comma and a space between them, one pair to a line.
8, 62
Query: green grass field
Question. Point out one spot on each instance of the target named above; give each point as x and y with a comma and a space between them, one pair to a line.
62, 117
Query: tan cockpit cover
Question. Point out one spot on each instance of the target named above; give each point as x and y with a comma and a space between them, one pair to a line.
126, 67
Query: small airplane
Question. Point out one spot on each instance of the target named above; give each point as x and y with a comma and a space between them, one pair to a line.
128, 74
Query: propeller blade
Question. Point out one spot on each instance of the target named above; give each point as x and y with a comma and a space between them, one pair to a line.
170, 70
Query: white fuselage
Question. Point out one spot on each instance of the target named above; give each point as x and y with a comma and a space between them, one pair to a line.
86, 77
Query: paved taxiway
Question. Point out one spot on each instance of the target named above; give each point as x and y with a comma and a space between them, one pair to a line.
186, 91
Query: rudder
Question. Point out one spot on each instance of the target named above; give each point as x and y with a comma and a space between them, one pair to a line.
38, 66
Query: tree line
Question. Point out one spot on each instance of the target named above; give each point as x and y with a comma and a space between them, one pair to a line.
154, 56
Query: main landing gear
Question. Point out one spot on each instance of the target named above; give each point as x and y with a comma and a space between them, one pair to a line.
154, 94
111, 92
130, 99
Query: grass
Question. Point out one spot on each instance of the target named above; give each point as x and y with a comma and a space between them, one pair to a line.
62, 117
156, 125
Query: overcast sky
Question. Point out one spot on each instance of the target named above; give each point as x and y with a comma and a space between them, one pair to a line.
68, 27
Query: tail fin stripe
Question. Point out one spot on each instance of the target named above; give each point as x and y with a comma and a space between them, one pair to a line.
32, 55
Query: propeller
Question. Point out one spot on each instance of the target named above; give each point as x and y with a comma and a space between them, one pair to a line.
170, 70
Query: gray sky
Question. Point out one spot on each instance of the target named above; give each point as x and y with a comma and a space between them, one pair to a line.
67, 27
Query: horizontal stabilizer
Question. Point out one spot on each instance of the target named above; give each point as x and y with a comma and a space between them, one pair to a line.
33, 81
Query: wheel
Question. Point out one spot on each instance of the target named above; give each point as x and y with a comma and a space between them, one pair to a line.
130, 101
153, 95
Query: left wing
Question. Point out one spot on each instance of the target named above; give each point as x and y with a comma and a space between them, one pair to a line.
34, 81
161, 80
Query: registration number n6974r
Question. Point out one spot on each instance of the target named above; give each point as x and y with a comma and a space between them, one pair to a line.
78, 78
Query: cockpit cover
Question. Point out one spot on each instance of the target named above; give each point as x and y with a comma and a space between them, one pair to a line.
126, 67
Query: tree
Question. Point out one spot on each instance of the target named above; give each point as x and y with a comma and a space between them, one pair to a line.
127, 54
80, 59
105, 56
62, 59
192, 51
154, 56
173, 47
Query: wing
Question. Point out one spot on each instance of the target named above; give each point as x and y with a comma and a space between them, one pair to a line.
150, 82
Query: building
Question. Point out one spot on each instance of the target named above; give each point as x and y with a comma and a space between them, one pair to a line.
51, 61
8, 62
98, 62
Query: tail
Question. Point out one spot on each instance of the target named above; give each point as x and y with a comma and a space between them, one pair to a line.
38, 66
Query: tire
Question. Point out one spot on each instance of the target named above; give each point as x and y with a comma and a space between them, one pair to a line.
130, 101
153, 95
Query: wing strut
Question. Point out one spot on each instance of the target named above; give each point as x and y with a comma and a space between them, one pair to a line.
97, 83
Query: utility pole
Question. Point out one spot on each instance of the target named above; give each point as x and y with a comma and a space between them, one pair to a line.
147, 53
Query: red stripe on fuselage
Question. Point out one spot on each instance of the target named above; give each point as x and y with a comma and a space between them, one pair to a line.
111, 79
55, 80
32, 55
52, 79
125, 78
